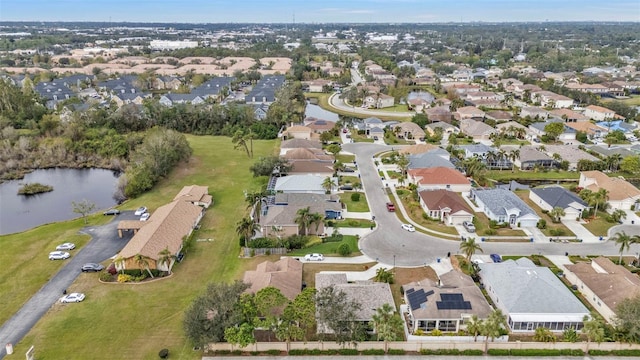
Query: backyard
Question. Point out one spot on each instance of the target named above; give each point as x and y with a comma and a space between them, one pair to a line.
354, 206
329, 248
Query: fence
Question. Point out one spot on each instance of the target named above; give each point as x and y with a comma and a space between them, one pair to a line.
249, 252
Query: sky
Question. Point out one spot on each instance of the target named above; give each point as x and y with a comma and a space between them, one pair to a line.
319, 11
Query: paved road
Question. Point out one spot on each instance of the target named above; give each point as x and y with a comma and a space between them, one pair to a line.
392, 246
103, 245
336, 102
408, 357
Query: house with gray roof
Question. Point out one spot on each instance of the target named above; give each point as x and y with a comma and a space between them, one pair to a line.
556, 196
531, 297
570, 153
279, 214
369, 294
504, 206
265, 90
53, 93
613, 150
174, 99
538, 128
215, 88
530, 157
434, 158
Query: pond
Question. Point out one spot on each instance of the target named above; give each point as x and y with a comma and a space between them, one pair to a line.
19, 212
421, 95
319, 113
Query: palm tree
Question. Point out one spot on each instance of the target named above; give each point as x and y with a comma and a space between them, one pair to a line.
387, 324
143, 263
493, 327
593, 329
303, 219
513, 156
618, 215
316, 219
599, 197
119, 262
328, 184
166, 257
246, 228
403, 164
474, 327
469, 248
556, 213
384, 275
624, 241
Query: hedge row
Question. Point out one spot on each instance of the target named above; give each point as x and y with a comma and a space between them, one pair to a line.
451, 352
535, 352
630, 352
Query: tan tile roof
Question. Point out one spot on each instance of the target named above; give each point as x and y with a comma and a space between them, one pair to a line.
438, 175
307, 154
194, 193
418, 149
300, 143
284, 274
298, 128
610, 282
618, 189
165, 229
585, 126
440, 199
311, 167
599, 109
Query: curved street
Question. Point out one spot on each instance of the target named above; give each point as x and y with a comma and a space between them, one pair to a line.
337, 103
391, 245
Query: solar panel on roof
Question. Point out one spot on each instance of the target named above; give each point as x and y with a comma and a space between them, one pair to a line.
416, 298
451, 297
430, 292
410, 291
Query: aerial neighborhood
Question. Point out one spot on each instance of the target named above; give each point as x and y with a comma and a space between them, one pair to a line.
343, 189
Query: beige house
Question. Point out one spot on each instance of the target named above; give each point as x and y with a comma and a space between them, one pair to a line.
279, 219
621, 193
298, 132
476, 129
446, 206
439, 178
196, 195
284, 275
599, 113
408, 130
469, 112
604, 284
379, 101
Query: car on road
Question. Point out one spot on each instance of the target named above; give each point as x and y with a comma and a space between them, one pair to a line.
71, 298
66, 246
58, 255
408, 227
314, 257
468, 225
391, 207
111, 212
496, 258
145, 217
92, 267
346, 187
375, 138
141, 210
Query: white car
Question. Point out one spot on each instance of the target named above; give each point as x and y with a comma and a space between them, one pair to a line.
71, 298
141, 210
408, 227
314, 257
66, 246
58, 255
145, 217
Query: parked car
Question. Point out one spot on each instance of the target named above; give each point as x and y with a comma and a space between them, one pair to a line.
92, 267
346, 187
145, 217
111, 212
391, 207
139, 211
408, 227
375, 138
58, 255
468, 225
71, 298
66, 246
496, 258
348, 169
314, 257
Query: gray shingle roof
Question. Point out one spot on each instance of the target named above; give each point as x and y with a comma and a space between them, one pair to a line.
266, 89
498, 200
522, 287
433, 158
558, 196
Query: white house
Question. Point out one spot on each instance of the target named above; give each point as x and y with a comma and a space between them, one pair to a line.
551, 197
621, 193
504, 206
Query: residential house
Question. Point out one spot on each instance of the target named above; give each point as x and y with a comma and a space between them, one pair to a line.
291, 144
307, 154
617, 125
548, 198
165, 229
53, 93
167, 83
122, 99
284, 275
319, 85
588, 88
499, 115
504, 206
408, 130
173, 99
476, 129
446, 128
310, 184
476, 150
418, 104
552, 100
369, 294
260, 111
298, 132
570, 153
606, 151
538, 128
534, 112
592, 130
279, 218
522, 90
468, 112
439, 178
531, 158
513, 128
445, 305
621, 193
434, 158
418, 149
445, 205
568, 115
215, 88
196, 195
482, 95
531, 297
265, 90
599, 113
378, 101
77, 81
603, 284
123, 84
320, 168
318, 126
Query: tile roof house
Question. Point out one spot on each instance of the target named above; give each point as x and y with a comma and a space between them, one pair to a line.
534, 112
318, 126
591, 129
447, 206
173, 99
433, 178
569, 115
550, 197
439, 114
476, 150
599, 113
476, 129
499, 115
446, 128
530, 157
538, 128
621, 193
570, 153
504, 206
284, 275
418, 149
613, 150
196, 195
531, 296
445, 305
165, 229
307, 154
291, 144
604, 284
311, 167
370, 295
298, 132
137, 98
408, 130
278, 218
469, 112
310, 184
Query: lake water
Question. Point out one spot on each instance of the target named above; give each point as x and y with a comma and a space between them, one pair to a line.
320, 113
19, 212
422, 95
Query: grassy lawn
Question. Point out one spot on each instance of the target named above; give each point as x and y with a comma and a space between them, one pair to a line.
633, 100
506, 175
354, 206
135, 321
394, 174
360, 138
524, 195
353, 180
481, 221
353, 223
344, 158
416, 212
329, 248
599, 226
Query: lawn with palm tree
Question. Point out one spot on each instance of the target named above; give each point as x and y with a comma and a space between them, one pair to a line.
134, 321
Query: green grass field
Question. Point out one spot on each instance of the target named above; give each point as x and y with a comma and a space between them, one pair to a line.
329, 248
345, 158
355, 206
506, 175
135, 321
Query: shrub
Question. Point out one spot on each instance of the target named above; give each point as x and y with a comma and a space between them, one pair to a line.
273, 352
164, 353
490, 232
348, 352
436, 332
105, 276
396, 352
493, 224
296, 242
373, 352
542, 224
242, 241
123, 278
556, 232
344, 249
333, 238
471, 352
254, 353
355, 197
498, 352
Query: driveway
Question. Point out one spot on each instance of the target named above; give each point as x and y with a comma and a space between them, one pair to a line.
103, 245
391, 245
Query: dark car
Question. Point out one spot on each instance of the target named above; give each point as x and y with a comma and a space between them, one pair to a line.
111, 212
346, 187
348, 169
92, 267
496, 258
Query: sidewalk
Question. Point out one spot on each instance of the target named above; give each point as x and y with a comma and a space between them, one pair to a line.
581, 232
559, 261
